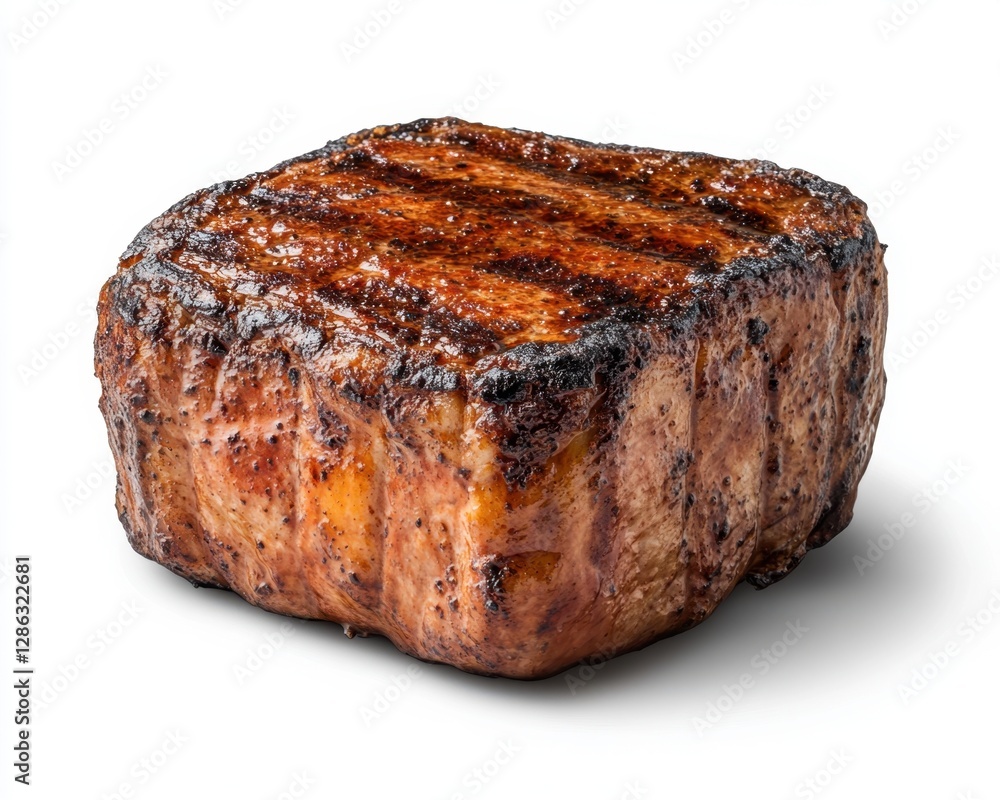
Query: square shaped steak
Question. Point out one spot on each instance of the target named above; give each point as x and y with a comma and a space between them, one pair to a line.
509, 399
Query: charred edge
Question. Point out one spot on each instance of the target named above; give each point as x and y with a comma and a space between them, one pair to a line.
761, 580
416, 370
200, 584
603, 346
531, 389
846, 252
154, 275
786, 255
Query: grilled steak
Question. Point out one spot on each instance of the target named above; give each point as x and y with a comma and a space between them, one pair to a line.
509, 399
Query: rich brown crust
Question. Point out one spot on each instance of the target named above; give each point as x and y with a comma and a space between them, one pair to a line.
509, 399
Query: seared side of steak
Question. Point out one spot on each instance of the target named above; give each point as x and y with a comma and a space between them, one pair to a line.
508, 399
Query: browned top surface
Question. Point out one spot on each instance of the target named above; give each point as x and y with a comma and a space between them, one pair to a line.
461, 240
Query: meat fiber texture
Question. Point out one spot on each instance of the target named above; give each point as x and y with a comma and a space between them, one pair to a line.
508, 399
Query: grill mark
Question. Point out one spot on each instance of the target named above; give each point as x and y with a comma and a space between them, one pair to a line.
301, 206
593, 291
597, 293
551, 210
406, 312
600, 293
473, 200
736, 216
554, 215
568, 159
699, 257
704, 210
385, 198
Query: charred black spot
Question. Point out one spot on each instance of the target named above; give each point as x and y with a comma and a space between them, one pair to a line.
501, 386
682, 463
757, 329
332, 431
214, 345
494, 572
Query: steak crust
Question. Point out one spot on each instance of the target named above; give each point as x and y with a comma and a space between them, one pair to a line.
509, 399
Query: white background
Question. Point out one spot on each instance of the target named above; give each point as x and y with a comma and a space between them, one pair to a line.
904, 112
